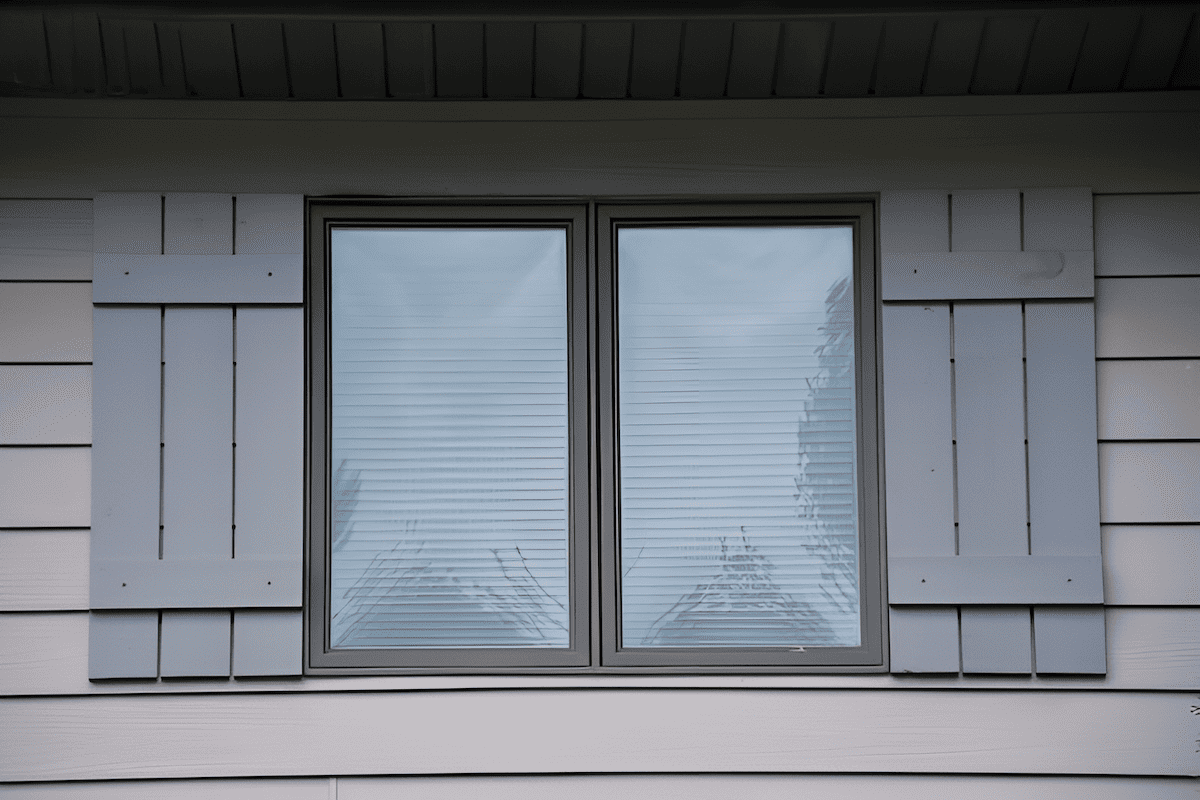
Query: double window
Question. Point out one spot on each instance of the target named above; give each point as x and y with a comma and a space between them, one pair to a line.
593, 436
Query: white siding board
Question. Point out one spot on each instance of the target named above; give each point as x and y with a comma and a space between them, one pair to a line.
269, 424
46, 404
1149, 482
1147, 317
197, 433
1148, 649
305, 734
198, 224
760, 787
1148, 234
1156, 565
45, 322
46, 240
1149, 399
45, 487
128, 222
985, 221
251, 789
44, 570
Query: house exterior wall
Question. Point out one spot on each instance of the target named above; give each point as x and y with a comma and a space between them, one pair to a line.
1129, 733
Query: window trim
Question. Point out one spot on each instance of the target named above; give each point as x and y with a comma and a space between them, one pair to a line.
592, 425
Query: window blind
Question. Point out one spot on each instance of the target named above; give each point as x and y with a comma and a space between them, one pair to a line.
737, 457
449, 438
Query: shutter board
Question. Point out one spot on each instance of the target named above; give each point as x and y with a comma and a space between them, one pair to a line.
178, 362
197, 479
924, 640
267, 643
1021, 370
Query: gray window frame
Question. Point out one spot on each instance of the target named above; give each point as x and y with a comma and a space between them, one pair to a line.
593, 551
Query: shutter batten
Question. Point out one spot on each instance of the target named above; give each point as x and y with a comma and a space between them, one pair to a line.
166, 493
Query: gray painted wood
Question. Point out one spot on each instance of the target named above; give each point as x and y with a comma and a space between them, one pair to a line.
752, 58
46, 404
194, 644
1151, 649
214, 582
123, 644
852, 51
704, 62
1069, 640
1147, 317
45, 240
312, 66
1148, 399
267, 643
1057, 218
953, 55
1151, 565
761, 787
45, 487
127, 222
269, 423
987, 275
557, 53
247, 278
985, 221
923, 640
607, 47
1060, 373
654, 64
458, 50
1149, 482
262, 65
1002, 55
918, 430
409, 59
1053, 54
995, 732
996, 640
914, 222
43, 570
1148, 234
989, 409
360, 60
509, 51
126, 448
198, 223
993, 579
902, 56
1157, 49
45, 322
197, 478
269, 224
802, 55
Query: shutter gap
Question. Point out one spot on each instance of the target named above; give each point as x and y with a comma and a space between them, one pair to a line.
958, 614
233, 448
1032, 643
158, 649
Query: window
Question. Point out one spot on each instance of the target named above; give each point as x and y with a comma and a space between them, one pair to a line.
593, 436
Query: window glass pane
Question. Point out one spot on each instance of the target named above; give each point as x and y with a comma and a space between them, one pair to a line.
738, 512
449, 438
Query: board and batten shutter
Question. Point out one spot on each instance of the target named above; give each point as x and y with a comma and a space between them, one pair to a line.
198, 408
992, 486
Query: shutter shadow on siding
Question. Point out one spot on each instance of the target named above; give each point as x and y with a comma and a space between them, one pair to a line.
993, 505
187, 526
